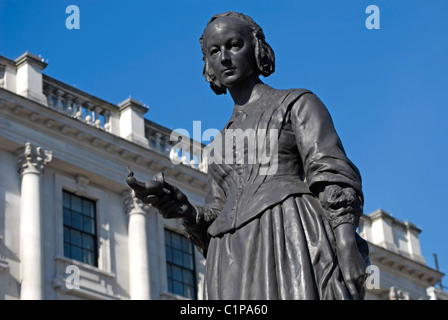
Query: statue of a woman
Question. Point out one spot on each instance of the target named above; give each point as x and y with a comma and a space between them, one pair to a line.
286, 234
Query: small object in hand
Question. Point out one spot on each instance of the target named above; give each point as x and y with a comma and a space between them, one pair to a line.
148, 191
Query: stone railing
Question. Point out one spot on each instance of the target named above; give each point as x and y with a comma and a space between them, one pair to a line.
106, 116
78, 104
181, 150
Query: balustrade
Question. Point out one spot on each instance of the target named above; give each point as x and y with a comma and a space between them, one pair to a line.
181, 150
95, 112
82, 107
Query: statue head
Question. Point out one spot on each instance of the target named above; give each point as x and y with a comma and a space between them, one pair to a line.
260, 58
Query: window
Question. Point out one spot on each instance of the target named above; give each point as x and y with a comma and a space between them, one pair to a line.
180, 265
80, 237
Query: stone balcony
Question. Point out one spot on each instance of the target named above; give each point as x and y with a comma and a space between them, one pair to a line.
78, 104
24, 77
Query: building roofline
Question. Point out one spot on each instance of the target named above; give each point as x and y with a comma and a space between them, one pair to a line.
380, 213
29, 57
7, 61
412, 266
77, 91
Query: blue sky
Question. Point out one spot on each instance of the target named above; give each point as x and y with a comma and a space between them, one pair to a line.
385, 89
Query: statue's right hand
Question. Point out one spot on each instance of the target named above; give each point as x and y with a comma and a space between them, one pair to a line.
149, 191
173, 203
166, 198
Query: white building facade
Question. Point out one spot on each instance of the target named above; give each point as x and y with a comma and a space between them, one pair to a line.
71, 229
399, 271
66, 212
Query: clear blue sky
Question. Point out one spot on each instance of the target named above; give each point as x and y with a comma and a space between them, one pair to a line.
386, 89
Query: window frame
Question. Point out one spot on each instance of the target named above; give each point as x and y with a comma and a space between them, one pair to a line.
81, 229
168, 263
74, 186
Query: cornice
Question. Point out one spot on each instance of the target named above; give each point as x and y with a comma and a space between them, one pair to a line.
414, 269
130, 103
381, 214
7, 61
32, 59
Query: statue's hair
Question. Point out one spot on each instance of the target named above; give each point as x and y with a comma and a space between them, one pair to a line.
264, 55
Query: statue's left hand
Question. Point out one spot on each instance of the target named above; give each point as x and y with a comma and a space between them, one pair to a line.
351, 262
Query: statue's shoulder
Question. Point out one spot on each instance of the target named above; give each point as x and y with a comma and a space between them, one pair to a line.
288, 92
298, 91
288, 95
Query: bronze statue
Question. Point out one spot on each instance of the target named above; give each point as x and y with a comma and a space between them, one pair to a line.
286, 234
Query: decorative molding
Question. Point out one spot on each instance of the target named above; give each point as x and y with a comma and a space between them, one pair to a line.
110, 148
49, 123
34, 116
130, 103
94, 284
407, 267
18, 110
139, 160
81, 135
82, 183
30, 58
124, 154
65, 129
33, 159
397, 294
96, 142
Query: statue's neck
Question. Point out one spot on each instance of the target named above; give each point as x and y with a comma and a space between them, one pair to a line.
246, 92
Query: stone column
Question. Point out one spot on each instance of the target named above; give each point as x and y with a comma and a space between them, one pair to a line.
139, 281
31, 163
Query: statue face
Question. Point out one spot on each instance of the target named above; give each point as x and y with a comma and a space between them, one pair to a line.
230, 51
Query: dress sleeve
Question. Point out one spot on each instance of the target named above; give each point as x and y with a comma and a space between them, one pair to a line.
325, 162
205, 215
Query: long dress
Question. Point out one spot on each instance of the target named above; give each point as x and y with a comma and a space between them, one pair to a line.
262, 230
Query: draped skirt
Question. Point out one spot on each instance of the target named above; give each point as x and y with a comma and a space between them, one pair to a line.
288, 252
